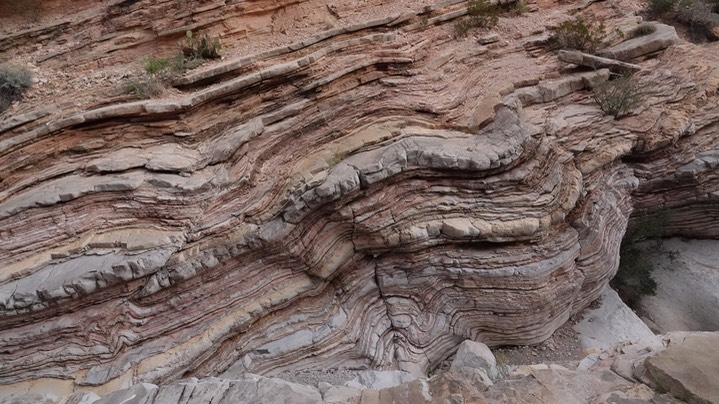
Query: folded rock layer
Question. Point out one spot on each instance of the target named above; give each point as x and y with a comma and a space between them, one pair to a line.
367, 197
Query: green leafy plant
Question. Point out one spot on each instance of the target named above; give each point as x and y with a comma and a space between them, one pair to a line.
519, 8
144, 88
155, 65
200, 45
643, 30
480, 14
483, 14
14, 82
462, 27
618, 97
661, 7
579, 34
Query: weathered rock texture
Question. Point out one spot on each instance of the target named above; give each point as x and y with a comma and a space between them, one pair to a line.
364, 196
687, 296
657, 369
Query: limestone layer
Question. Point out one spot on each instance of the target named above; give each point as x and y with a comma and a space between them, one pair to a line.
367, 196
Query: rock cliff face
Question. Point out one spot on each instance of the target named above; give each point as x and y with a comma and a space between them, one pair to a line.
352, 186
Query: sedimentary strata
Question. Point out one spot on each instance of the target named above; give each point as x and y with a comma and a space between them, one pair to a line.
366, 196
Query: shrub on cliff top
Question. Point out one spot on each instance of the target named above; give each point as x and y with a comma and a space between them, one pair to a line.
14, 81
580, 34
661, 7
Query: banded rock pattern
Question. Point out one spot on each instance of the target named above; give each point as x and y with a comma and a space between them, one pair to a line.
368, 196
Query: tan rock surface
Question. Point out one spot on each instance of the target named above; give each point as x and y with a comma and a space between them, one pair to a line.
338, 198
688, 370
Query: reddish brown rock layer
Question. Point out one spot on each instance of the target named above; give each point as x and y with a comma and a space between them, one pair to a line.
369, 196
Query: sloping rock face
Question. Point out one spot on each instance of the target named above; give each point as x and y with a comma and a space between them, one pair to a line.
621, 374
688, 370
366, 196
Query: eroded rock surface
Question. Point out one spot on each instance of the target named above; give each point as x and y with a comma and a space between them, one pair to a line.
687, 296
366, 195
610, 323
632, 372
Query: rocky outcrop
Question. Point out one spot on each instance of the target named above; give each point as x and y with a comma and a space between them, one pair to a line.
596, 62
363, 196
682, 363
662, 37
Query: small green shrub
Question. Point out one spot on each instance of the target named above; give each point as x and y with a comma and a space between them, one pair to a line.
643, 30
462, 27
618, 97
144, 88
181, 64
661, 7
579, 34
700, 18
155, 65
483, 14
519, 8
14, 82
480, 14
200, 46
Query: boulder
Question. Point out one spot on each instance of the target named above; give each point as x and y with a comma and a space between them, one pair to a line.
142, 393
477, 377
688, 370
596, 62
475, 355
664, 37
339, 394
377, 380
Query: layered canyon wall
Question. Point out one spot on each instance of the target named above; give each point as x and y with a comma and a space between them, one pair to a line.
351, 186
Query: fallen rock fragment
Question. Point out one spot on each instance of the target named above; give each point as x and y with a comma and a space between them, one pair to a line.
596, 62
664, 37
474, 355
688, 370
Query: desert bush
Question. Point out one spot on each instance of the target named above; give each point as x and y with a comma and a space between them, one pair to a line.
619, 96
699, 16
480, 14
483, 14
14, 81
519, 8
643, 30
200, 46
462, 26
144, 88
155, 65
661, 7
579, 34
